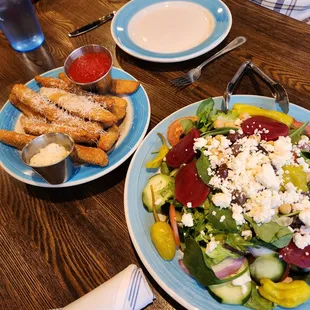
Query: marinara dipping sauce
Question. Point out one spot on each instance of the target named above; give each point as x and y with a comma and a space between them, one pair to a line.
89, 67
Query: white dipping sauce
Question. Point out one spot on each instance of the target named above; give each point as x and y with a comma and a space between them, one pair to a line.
49, 155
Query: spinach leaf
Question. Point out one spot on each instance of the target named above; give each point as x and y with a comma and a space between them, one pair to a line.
296, 133
272, 232
205, 107
204, 112
257, 242
220, 253
306, 156
237, 242
202, 165
228, 224
196, 264
256, 301
187, 125
219, 131
284, 240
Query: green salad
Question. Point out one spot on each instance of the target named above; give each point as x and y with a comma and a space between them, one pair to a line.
231, 196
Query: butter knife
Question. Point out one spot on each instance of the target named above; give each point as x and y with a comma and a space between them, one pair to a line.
92, 25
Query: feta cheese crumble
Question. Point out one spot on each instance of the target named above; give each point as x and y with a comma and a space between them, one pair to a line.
255, 171
221, 200
222, 219
304, 216
247, 234
162, 217
241, 281
212, 245
187, 220
268, 178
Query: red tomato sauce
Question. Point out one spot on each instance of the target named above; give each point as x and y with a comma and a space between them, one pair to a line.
89, 67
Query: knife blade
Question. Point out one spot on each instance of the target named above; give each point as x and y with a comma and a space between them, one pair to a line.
92, 25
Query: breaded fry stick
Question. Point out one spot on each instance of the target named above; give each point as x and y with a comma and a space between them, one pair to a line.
82, 154
12, 138
25, 109
65, 84
78, 105
38, 126
62, 76
90, 155
22, 94
57, 83
119, 108
123, 87
108, 138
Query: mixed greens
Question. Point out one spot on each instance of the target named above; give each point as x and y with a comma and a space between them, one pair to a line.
234, 189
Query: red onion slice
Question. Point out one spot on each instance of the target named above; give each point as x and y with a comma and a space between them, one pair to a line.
228, 267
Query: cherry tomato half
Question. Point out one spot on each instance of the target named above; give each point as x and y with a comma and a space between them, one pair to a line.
189, 187
297, 124
268, 128
183, 152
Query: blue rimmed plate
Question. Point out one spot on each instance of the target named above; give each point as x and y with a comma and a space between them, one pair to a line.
133, 130
170, 30
168, 274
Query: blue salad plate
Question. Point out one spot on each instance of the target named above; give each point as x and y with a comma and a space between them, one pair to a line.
133, 129
168, 274
170, 30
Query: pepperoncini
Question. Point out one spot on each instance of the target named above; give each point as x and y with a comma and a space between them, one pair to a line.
163, 151
255, 111
296, 176
288, 295
162, 235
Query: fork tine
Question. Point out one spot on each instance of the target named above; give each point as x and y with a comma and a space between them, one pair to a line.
181, 81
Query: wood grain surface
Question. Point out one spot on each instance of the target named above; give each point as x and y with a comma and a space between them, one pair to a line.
58, 244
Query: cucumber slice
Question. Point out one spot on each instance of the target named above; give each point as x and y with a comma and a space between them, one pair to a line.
227, 293
163, 186
267, 266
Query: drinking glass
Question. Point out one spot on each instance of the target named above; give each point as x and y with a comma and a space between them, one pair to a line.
20, 25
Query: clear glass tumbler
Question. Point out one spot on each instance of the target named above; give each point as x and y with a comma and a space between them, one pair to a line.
20, 25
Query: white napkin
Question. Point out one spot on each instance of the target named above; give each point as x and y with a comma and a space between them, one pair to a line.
127, 290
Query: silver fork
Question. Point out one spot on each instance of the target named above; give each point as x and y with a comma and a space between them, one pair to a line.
194, 74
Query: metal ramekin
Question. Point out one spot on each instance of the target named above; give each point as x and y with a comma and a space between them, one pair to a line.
102, 85
58, 172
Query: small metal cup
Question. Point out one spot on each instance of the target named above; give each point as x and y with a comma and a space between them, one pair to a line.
102, 85
58, 172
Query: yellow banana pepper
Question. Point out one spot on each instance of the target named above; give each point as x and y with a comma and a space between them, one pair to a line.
288, 295
156, 162
296, 176
255, 111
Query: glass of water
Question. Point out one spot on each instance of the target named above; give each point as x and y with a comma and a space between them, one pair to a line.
20, 25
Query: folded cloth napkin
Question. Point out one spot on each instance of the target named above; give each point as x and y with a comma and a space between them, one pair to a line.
127, 290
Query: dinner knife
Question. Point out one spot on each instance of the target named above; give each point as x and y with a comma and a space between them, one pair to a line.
92, 25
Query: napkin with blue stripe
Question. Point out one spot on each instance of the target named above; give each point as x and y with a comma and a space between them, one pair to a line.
128, 290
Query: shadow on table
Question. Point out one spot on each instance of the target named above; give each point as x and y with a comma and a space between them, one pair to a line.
39, 60
123, 57
80, 192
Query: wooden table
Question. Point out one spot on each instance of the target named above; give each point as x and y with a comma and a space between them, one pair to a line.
58, 244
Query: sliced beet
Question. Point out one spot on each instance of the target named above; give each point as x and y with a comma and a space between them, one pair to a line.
183, 151
189, 187
296, 256
268, 128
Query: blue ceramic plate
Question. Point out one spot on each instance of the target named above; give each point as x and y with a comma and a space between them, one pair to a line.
170, 30
133, 130
169, 275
